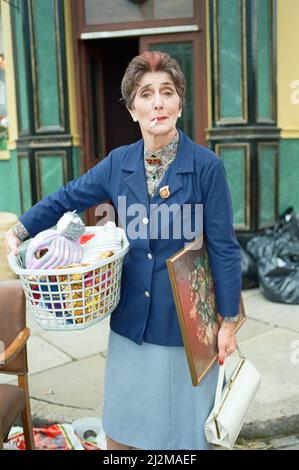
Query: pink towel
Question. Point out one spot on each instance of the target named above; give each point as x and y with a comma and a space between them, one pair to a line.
62, 245
61, 251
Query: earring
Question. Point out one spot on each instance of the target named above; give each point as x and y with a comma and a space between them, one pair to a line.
135, 119
180, 114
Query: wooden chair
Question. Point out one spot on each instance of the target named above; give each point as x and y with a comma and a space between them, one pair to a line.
14, 399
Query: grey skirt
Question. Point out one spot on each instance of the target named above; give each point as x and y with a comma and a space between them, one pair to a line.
149, 400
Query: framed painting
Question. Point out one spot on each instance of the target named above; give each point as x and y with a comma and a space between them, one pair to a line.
193, 290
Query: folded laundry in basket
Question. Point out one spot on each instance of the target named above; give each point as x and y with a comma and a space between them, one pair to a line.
51, 248
107, 238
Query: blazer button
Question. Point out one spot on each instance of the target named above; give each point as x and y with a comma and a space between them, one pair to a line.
150, 256
146, 293
145, 220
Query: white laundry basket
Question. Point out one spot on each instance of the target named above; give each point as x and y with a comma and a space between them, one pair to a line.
73, 298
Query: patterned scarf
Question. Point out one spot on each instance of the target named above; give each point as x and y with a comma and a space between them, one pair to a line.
156, 163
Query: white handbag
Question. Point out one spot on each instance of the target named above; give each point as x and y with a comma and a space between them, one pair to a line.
232, 403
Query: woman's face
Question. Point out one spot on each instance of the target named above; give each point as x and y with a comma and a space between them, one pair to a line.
156, 98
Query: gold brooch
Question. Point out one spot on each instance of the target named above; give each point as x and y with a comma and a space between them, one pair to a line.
164, 192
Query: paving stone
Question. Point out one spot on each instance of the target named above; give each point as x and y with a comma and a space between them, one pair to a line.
41, 356
283, 442
291, 447
8, 379
76, 385
252, 328
282, 315
77, 344
271, 353
82, 343
247, 293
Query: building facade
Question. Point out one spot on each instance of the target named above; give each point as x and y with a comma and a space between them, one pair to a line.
61, 63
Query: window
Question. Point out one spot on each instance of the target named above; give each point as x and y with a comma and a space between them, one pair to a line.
119, 11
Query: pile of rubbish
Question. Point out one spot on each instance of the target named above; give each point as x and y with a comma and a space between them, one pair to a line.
271, 260
82, 434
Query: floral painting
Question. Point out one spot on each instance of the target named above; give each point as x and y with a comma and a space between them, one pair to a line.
203, 300
194, 294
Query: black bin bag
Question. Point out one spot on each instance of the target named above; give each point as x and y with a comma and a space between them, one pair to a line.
279, 279
276, 253
249, 271
283, 238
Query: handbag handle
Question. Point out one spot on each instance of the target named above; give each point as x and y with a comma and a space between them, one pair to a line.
221, 376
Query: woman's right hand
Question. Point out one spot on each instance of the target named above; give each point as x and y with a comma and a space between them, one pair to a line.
12, 243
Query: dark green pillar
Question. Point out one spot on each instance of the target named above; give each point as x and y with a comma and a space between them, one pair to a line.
44, 145
244, 131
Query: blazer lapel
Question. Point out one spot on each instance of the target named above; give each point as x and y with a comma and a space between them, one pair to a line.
173, 183
135, 178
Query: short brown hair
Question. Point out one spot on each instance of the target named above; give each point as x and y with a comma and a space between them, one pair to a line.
151, 61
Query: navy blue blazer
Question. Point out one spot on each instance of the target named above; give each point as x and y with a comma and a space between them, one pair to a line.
146, 311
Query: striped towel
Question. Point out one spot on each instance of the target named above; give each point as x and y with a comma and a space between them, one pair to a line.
107, 238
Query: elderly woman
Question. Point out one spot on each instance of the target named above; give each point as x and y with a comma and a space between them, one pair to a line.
149, 400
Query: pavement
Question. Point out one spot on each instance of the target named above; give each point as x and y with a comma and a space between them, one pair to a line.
67, 372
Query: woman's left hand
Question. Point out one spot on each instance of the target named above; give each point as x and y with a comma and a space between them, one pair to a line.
227, 341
